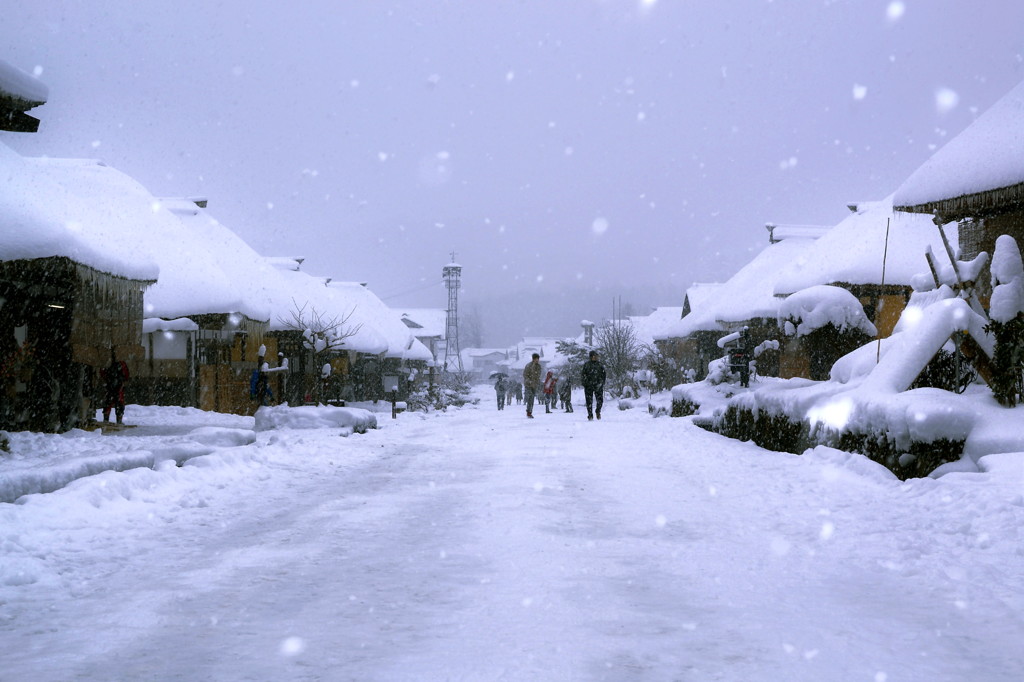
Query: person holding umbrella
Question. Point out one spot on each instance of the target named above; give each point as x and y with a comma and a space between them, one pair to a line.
500, 388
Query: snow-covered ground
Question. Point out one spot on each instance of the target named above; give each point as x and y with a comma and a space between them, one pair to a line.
479, 545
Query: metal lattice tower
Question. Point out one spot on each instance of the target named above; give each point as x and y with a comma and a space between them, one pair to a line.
452, 274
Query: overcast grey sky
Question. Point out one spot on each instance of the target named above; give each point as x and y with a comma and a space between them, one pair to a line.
587, 144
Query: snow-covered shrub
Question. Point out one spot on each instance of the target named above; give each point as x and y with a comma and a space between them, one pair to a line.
1007, 321
831, 321
682, 407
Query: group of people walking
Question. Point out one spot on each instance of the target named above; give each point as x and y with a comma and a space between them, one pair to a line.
507, 390
551, 391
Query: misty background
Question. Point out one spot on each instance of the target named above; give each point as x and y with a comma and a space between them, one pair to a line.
568, 153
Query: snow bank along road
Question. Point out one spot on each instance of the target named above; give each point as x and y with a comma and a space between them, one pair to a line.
478, 545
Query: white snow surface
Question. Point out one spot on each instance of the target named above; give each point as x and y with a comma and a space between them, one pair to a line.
817, 306
853, 251
314, 417
987, 155
477, 544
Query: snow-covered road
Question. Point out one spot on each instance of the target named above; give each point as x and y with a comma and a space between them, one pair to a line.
478, 545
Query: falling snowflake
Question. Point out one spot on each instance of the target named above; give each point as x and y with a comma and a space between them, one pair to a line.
860, 91
292, 646
946, 100
895, 10
599, 226
827, 529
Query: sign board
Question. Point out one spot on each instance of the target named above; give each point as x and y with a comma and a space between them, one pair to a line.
390, 383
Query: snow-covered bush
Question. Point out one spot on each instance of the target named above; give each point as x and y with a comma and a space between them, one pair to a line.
831, 321
1007, 321
453, 390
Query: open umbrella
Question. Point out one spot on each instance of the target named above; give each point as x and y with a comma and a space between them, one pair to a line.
495, 375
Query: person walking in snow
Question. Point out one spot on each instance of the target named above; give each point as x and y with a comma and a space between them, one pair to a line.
550, 391
518, 389
114, 376
593, 376
531, 383
500, 388
259, 383
565, 394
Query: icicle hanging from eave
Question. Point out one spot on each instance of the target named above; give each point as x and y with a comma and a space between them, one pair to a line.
111, 289
255, 329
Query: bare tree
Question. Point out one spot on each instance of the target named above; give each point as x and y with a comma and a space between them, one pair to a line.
472, 328
323, 335
620, 350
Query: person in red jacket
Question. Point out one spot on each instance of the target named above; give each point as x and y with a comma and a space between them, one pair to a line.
115, 376
550, 391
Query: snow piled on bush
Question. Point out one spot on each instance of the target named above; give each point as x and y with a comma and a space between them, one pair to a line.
817, 306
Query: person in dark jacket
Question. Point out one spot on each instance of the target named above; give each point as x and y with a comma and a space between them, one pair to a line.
565, 393
592, 377
500, 387
531, 382
114, 376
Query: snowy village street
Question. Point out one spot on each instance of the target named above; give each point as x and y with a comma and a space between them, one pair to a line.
479, 545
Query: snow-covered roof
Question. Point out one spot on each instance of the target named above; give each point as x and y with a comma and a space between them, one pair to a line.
50, 209
156, 324
748, 295
649, 327
698, 294
312, 294
370, 310
776, 232
852, 251
18, 85
988, 155
483, 352
246, 270
284, 262
425, 322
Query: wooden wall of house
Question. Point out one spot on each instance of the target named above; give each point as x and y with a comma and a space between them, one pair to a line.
794, 361
887, 311
224, 388
976, 236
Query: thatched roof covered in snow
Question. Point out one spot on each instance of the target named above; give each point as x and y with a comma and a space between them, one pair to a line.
979, 173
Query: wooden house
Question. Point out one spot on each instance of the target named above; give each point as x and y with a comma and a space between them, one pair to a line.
480, 363
747, 299
373, 340
71, 291
206, 316
873, 253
